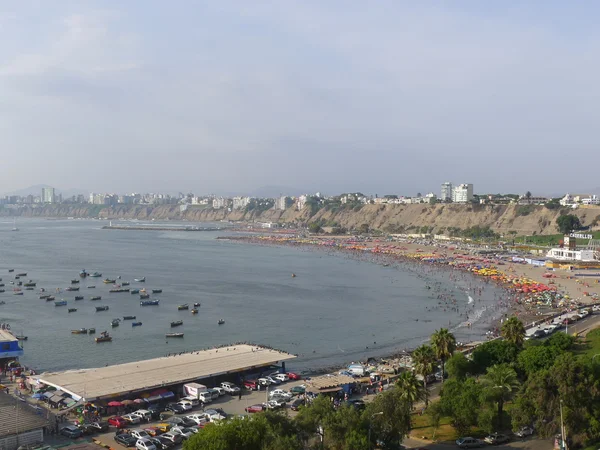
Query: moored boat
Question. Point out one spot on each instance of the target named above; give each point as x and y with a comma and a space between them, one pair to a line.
136, 324
156, 291
91, 287
194, 311
24, 274
50, 298
74, 281
80, 331
30, 284
72, 310
128, 317
149, 302
60, 303
72, 289
115, 322
197, 305
83, 273
174, 335
134, 291
176, 323
119, 290
143, 296
11, 270
104, 337
125, 283
101, 308
182, 307
79, 297
221, 322
109, 281
92, 331
29, 289
96, 297
140, 280
96, 275
18, 293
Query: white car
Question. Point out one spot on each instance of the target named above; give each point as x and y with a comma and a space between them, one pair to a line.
213, 415
184, 432
273, 380
525, 431
220, 390
143, 414
280, 393
230, 388
198, 418
175, 438
263, 382
275, 404
282, 377
145, 444
185, 404
131, 418
140, 434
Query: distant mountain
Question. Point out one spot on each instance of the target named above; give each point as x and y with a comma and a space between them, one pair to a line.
37, 190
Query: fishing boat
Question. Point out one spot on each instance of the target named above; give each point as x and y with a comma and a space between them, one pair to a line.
182, 307
101, 308
149, 303
83, 273
96, 297
72, 310
140, 280
104, 337
74, 281
20, 337
156, 291
29, 284
194, 311
60, 303
51, 298
174, 335
24, 274
177, 323
115, 322
119, 290
221, 322
109, 281
11, 270
125, 283
128, 317
80, 331
143, 296
29, 289
136, 324
72, 289
79, 297
197, 305
134, 291
91, 287
18, 293
92, 331
96, 275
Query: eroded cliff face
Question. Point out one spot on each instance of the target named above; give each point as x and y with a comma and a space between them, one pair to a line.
390, 218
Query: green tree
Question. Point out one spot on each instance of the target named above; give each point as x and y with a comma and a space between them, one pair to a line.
314, 227
500, 383
513, 331
409, 387
389, 417
424, 363
493, 352
434, 416
535, 358
567, 223
443, 343
458, 366
461, 401
364, 228
528, 195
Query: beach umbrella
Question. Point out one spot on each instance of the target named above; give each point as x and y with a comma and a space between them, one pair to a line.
139, 400
127, 402
115, 403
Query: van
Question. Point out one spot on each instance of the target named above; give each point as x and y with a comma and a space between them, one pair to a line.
358, 370
193, 400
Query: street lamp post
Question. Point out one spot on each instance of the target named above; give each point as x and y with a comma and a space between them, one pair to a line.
376, 414
562, 428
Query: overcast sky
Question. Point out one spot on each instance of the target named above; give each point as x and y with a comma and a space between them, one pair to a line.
331, 96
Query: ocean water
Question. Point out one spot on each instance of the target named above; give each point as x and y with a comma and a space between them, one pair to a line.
336, 310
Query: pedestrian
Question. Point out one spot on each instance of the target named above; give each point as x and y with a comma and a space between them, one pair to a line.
240, 395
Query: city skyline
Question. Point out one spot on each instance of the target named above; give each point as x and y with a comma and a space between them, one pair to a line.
228, 97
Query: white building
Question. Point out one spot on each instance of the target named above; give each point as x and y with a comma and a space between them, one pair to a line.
446, 193
240, 202
280, 203
219, 202
579, 199
463, 193
565, 254
523, 200
48, 195
300, 202
591, 200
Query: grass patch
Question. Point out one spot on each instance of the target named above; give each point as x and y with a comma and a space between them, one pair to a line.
421, 428
590, 345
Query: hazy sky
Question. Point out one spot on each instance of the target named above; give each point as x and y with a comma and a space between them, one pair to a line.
223, 96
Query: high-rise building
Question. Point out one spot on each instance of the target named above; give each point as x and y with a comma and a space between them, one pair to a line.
280, 203
48, 195
463, 193
446, 191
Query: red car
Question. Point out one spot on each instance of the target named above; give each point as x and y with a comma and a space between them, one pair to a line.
251, 384
255, 408
118, 422
293, 376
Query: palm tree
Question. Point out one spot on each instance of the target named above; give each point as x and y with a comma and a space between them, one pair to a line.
444, 344
409, 388
500, 382
513, 331
423, 364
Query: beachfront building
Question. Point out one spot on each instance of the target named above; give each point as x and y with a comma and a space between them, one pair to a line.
48, 195
446, 194
463, 193
566, 254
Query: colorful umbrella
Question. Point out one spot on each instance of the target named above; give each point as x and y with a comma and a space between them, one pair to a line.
127, 402
139, 400
114, 403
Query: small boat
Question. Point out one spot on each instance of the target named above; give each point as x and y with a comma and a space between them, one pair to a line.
20, 283
101, 308
128, 317
104, 337
156, 291
29, 289
177, 323
96, 275
72, 310
72, 289
194, 311
24, 274
2, 302
140, 280
125, 283
80, 331
17, 277
119, 290
96, 297
143, 296
83, 273
29, 284
51, 298
134, 291
18, 293
109, 281
293, 275
20, 337
149, 303
79, 297
60, 303
91, 287
197, 305
174, 335
182, 307
74, 281
11, 270
92, 331
115, 322
221, 322
136, 324
2, 284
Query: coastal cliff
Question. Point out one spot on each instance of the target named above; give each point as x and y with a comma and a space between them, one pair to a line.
439, 218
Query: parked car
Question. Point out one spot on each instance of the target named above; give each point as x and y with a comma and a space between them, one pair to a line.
215, 415
254, 408
294, 376
469, 442
86, 429
297, 404
298, 390
525, 431
143, 414
100, 426
275, 404
159, 407
251, 384
273, 380
197, 418
71, 431
161, 444
180, 422
125, 439
118, 421
220, 390
280, 393
539, 334
187, 406
230, 388
173, 437
145, 444
140, 434
213, 393
153, 431
132, 419
263, 382
496, 439
358, 404
182, 431
175, 407
164, 427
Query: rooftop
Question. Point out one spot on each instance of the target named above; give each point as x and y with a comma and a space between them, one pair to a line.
17, 416
103, 382
326, 382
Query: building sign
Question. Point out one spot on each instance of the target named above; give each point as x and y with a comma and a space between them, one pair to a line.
581, 236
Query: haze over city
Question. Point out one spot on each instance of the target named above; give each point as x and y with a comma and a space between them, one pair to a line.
227, 96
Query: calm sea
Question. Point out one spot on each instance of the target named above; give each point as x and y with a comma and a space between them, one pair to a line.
335, 310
